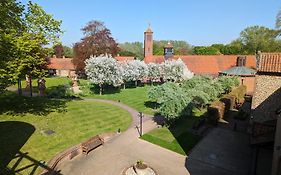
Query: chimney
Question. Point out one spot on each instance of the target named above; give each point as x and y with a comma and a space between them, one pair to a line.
241, 61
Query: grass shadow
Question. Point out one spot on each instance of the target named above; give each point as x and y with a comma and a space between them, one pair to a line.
13, 135
12, 104
151, 104
107, 89
60, 91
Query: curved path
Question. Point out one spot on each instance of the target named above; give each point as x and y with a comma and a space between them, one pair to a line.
124, 150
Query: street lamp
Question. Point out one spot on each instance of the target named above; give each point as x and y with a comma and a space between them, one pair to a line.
141, 116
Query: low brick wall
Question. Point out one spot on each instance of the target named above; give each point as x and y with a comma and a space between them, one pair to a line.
69, 154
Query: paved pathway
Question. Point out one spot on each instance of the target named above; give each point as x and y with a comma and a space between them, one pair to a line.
124, 150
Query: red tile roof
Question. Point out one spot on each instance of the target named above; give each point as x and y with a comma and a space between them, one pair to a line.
270, 62
124, 58
207, 64
61, 64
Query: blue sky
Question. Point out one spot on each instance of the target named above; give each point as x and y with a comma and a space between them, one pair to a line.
199, 22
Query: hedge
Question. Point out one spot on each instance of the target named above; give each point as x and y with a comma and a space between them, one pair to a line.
218, 108
239, 93
216, 111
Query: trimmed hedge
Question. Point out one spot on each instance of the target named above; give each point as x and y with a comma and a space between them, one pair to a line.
239, 93
216, 111
228, 102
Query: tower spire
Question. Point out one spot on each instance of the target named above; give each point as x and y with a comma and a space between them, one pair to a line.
148, 42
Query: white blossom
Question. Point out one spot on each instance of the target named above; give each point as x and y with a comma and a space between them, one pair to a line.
103, 70
176, 70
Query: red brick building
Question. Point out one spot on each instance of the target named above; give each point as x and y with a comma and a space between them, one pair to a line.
199, 64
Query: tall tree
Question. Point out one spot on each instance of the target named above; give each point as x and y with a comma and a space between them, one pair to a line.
58, 50
25, 54
180, 47
97, 41
205, 50
103, 70
258, 38
68, 52
11, 25
278, 20
131, 49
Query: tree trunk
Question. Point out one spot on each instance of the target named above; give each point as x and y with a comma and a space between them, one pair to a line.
30, 85
19, 87
151, 82
124, 85
100, 89
136, 83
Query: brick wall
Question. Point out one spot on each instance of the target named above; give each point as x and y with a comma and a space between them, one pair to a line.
249, 82
266, 98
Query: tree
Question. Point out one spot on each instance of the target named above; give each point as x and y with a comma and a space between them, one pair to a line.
23, 40
180, 47
175, 70
68, 52
205, 50
177, 100
58, 50
278, 20
154, 71
258, 38
97, 40
103, 70
131, 49
11, 26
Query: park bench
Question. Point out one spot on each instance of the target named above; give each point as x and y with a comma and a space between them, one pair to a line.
91, 144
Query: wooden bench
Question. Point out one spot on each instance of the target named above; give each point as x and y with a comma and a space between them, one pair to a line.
91, 144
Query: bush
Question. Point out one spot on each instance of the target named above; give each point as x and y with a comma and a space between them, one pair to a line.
216, 111
177, 100
228, 82
239, 93
61, 91
229, 101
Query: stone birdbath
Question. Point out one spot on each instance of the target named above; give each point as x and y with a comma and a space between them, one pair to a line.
139, 168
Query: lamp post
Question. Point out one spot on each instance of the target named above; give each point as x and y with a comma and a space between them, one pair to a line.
141, 116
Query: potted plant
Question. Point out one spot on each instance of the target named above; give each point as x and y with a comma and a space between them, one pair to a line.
140, 165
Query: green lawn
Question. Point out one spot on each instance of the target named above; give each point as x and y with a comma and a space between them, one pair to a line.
133, 97
175, 137
23, 119
50, 82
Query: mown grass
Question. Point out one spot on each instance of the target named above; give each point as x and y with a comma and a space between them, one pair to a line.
176, 137
23, 119
135, 97
51, 84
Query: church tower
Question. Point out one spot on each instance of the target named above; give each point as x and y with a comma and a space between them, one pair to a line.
148, 42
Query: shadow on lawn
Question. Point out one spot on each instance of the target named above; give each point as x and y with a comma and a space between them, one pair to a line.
151, 104
13, 104
183, 135
13, 136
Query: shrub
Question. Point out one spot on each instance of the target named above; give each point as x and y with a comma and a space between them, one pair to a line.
229, 101
61, 91
216, 111
228, 82
239, 93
